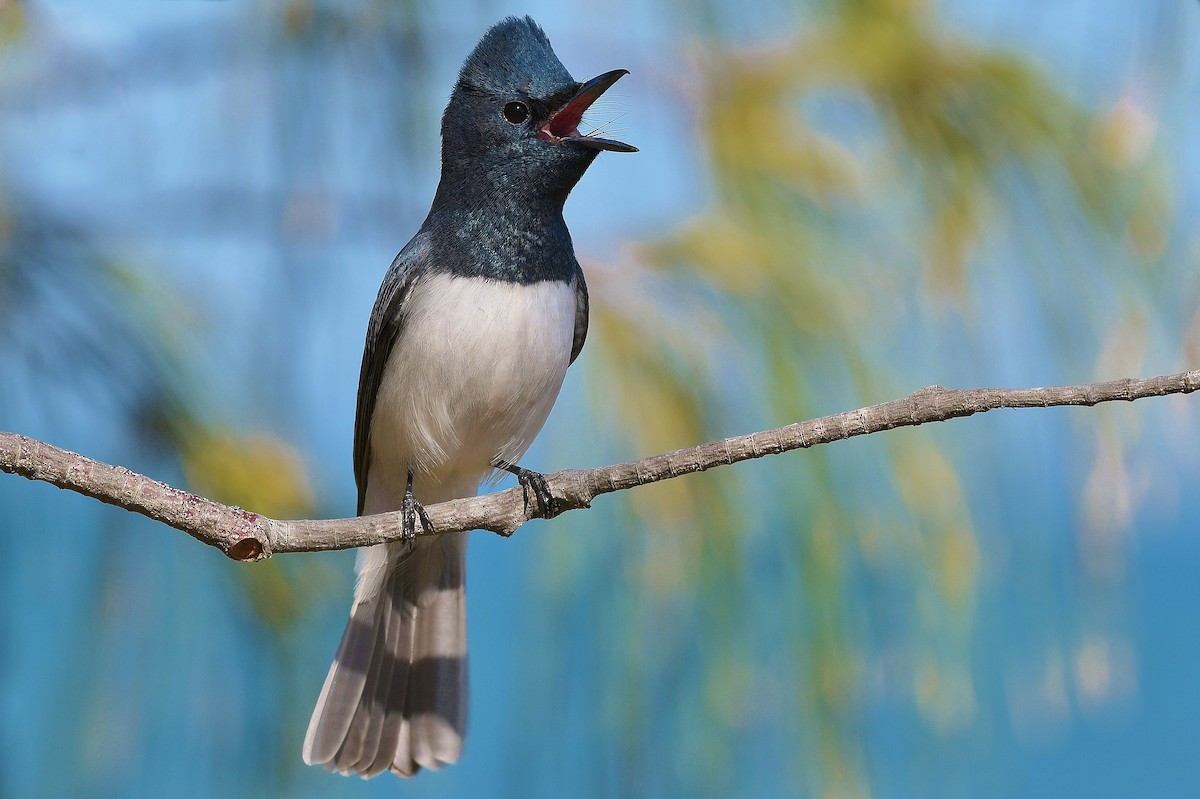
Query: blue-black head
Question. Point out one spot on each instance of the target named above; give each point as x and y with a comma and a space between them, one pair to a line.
512, 124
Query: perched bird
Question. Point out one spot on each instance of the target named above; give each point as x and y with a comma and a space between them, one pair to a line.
475, 325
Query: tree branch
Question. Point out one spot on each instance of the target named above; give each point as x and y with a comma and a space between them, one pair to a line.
246, 536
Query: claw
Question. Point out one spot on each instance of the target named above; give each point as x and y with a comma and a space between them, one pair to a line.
533, 483
413, 510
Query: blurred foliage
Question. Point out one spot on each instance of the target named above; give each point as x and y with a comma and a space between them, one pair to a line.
790, 293
250, 471
72, 314
259, 472
856, 168
12, 20
91, 335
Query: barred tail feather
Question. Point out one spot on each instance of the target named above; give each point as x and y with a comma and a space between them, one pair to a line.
395, 697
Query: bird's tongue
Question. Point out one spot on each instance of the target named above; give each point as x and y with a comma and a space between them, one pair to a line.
566, 122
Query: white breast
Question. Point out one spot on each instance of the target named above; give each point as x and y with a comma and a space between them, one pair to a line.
471, 379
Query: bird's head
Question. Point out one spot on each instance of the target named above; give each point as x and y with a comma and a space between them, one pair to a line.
515, 113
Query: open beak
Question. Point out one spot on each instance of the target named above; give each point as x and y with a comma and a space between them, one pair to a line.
563, 125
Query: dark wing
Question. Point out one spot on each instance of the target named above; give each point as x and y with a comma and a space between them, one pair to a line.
581, 314
387, 320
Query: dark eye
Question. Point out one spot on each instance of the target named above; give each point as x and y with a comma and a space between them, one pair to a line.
516, 113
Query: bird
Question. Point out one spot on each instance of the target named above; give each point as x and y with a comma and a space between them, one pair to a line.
467, 346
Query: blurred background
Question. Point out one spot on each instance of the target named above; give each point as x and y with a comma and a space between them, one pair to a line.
837, 202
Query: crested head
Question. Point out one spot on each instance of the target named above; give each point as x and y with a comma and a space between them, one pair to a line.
512, 122
514, 56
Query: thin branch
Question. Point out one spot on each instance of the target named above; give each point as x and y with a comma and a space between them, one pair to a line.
244, 535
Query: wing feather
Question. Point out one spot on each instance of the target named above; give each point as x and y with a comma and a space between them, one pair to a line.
384, 328
581, 314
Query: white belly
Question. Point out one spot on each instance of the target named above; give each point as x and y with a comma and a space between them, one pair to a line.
471, 379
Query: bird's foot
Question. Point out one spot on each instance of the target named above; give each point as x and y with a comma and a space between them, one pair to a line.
533, 483
413, 511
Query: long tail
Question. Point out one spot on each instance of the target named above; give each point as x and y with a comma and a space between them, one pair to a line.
396, 695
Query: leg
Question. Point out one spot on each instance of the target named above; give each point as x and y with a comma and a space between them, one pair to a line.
532, 482
413, 511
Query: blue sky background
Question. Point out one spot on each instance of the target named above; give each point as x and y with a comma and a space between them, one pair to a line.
260, 188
